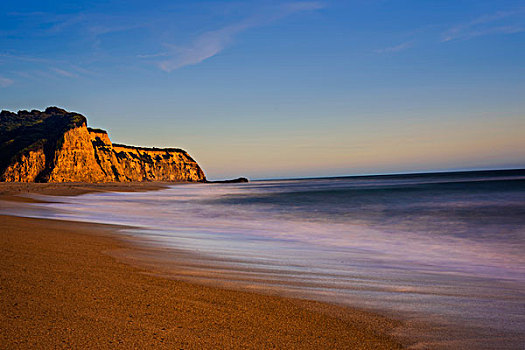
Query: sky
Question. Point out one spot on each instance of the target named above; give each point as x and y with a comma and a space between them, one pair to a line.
277, 89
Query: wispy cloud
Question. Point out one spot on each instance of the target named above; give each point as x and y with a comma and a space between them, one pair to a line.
5, 82
213, 42
23, 58
64, 73
38, 67
397, 48
502, 22
90, 27
203, 47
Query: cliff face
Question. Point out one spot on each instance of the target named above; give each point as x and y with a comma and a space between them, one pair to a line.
56, 146
27, 168
74, 160
127, 163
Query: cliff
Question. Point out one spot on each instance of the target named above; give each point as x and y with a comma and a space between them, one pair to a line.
57, 146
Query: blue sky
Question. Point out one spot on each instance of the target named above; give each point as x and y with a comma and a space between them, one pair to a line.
278, 89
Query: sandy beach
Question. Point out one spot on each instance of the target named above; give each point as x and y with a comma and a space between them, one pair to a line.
61, 288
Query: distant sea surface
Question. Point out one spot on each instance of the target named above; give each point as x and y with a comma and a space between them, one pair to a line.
443, 248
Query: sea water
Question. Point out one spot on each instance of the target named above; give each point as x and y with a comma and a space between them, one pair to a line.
446, 249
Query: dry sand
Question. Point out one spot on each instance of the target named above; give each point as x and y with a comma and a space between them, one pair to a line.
61, 289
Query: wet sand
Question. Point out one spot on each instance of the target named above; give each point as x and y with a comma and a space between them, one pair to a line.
10, 190
61, 288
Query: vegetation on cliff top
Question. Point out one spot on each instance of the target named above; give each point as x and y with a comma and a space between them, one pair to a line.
98, 131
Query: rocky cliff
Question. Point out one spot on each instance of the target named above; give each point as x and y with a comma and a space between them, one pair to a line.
57, 146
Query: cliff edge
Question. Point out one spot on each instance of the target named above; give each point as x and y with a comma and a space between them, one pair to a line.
57, 146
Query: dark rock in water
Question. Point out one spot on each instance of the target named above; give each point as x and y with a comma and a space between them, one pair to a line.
237, 180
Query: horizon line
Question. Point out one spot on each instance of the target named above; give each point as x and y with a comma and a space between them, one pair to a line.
423, 172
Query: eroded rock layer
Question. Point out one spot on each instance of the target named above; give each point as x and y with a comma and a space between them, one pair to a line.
57, 146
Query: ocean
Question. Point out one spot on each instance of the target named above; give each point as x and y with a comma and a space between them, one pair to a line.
443, 251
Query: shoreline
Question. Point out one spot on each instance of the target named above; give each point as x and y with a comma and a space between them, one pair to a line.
9, 190
68, 285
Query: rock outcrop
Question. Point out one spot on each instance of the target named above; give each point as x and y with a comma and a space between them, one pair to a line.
57, 146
